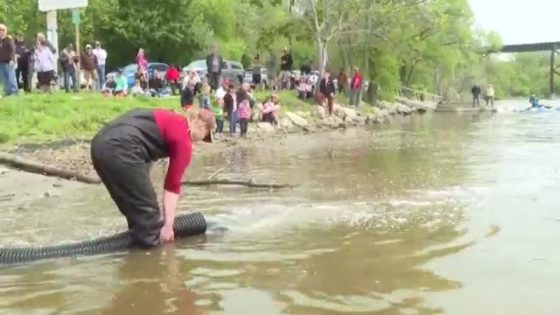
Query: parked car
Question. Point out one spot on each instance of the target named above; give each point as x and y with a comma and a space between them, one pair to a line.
231, 70
249, 77
130, 70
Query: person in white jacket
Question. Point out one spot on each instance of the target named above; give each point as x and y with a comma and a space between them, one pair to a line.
101, 55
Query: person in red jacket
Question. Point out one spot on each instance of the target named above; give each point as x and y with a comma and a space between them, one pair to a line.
172, 77
356, 87
123, 153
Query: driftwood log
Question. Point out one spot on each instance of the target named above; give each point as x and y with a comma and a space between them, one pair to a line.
38, 168
249, 183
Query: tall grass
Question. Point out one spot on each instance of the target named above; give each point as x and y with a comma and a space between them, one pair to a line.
36, 118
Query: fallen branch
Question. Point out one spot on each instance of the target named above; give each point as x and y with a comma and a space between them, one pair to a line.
7, 197
38, 168
216, 173
248, 183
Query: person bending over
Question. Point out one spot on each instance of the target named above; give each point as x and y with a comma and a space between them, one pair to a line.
123, 153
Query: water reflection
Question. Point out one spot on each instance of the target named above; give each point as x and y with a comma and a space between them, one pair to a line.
152, 283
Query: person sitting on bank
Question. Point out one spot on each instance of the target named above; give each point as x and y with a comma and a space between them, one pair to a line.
109, 86
269, 110
137, 89
121, 88
305, 90
157, 86
123, 153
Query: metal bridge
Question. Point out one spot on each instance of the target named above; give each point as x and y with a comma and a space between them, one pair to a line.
536, 47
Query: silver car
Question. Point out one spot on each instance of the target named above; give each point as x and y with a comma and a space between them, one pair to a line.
231, 70
249, 77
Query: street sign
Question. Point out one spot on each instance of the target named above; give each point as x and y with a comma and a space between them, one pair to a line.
51, 5
76, 16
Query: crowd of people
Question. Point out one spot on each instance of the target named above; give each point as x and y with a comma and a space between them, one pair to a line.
21, 62
231, 101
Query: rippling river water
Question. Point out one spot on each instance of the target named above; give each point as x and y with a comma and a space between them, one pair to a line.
443, 214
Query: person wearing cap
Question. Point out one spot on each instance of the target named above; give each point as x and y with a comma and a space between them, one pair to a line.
123, 153
88, 63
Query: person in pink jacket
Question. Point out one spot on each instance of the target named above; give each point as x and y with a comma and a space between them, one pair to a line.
141, 61
244, 113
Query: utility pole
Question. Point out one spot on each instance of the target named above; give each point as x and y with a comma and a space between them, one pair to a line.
76, 22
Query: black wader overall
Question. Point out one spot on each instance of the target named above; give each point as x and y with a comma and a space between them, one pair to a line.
122, 152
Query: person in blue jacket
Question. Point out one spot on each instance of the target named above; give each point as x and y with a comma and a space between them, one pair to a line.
534, 101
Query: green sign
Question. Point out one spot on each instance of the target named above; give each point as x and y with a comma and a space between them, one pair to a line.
76, 16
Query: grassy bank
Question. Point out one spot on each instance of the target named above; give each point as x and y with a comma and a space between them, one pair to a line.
41, 118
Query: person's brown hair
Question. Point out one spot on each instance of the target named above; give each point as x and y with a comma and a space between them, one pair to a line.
195, 114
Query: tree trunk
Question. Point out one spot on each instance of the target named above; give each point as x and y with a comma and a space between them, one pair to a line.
323, 55
346, 63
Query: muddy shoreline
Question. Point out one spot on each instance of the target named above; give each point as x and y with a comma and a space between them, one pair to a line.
74, 155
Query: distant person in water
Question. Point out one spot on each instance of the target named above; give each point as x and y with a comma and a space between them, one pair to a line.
534, 101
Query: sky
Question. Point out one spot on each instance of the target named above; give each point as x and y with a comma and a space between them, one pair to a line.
519, 21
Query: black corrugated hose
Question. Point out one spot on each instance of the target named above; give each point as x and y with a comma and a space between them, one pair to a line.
185, 225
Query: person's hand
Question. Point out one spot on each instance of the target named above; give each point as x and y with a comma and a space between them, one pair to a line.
11, 63
166, 234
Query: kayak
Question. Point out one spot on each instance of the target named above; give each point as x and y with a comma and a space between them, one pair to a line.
542, 108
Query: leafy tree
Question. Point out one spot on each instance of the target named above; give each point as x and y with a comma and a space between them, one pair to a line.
424, 44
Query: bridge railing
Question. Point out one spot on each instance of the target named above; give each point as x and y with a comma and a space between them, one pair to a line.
418, 95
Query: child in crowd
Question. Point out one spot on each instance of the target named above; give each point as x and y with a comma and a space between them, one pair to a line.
218, 110
230, 107
223, 89
187, 97
205, 96
157, 86
121, 84
244, 112
304, 89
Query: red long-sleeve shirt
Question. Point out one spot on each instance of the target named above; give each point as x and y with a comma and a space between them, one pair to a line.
357, 80
175, 133
172, 74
